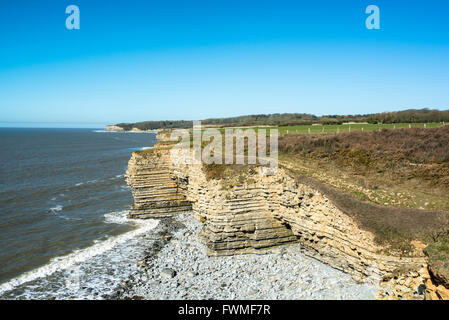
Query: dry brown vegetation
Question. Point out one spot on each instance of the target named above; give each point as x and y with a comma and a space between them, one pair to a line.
405, 154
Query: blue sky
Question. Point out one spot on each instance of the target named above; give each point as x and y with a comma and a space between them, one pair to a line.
154, 60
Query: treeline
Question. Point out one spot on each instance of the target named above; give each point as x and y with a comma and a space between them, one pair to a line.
275, 119
291, 119
410, 116
151, 125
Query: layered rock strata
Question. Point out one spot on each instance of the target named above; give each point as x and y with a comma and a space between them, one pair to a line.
156, 194
275, 208
263, 209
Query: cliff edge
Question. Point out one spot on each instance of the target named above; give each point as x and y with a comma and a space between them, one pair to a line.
248, 208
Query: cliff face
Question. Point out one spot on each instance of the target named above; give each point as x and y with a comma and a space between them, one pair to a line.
262, 208
156, 194
114, 128
237, 220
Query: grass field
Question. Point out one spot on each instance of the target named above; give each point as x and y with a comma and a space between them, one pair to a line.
349, 127
314, 129
305, 129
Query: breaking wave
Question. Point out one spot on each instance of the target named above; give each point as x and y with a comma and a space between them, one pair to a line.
88, 264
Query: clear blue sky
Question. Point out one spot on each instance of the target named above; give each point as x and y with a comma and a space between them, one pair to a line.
141, 60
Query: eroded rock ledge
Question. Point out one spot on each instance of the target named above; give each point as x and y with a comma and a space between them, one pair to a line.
262, 208
156, 194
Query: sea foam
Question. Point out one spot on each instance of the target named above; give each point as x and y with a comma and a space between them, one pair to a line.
83, 255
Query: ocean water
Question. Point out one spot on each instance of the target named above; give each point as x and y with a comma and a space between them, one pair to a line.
63, 205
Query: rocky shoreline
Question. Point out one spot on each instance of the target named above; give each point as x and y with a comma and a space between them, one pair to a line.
176, 267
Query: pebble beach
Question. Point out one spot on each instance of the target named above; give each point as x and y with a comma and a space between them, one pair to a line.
177, 267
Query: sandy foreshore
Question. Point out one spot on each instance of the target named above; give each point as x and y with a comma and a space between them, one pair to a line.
176, 267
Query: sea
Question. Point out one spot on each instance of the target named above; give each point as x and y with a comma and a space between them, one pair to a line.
64, 231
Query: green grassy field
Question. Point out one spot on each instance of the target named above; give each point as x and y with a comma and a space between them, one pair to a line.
314, 129
347, 127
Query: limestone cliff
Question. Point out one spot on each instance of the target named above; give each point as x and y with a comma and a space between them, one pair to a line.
259, 208
114, 128
156, 193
